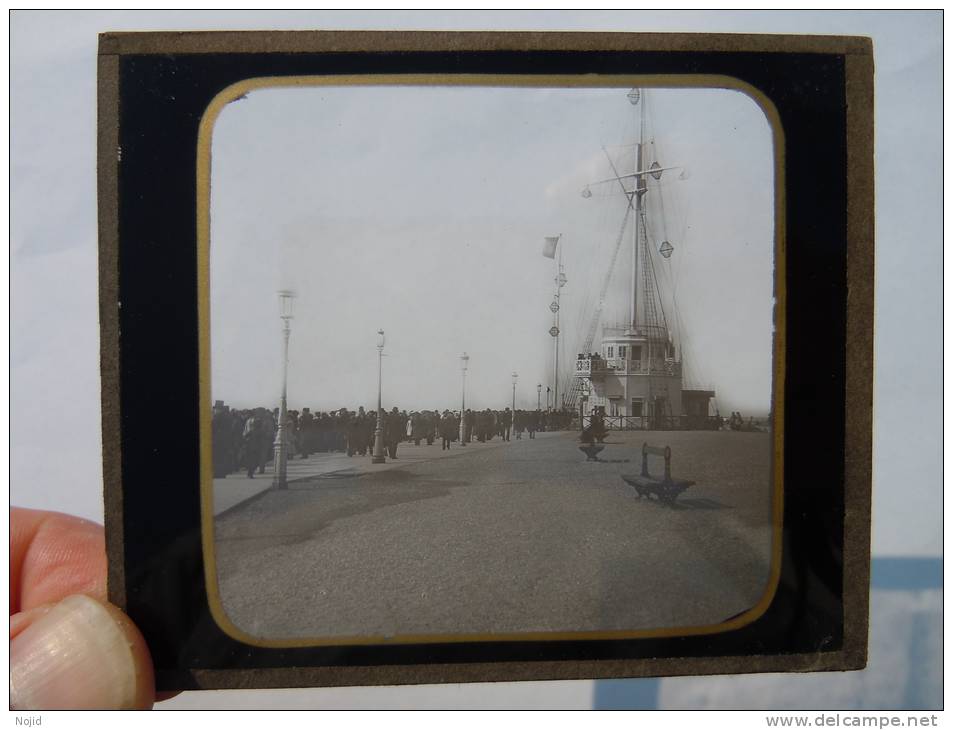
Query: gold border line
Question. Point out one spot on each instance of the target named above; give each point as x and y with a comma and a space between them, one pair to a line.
203, 178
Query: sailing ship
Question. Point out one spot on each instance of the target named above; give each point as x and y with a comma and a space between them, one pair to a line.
634, 377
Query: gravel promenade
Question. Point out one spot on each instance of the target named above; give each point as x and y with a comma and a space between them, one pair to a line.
511, 537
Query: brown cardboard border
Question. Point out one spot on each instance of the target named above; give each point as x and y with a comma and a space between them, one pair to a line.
858, 54
346, 41
107, 147
858, 454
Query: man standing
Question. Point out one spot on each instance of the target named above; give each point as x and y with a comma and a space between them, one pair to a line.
222, 445
416, 427
519, 418
506, 423
266, 441
252, 444
446, 430
306, 432
394, 430
468, 421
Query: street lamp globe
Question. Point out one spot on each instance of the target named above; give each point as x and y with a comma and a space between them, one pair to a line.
286, 299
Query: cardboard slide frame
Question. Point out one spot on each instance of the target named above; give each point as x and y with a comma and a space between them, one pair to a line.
822, 89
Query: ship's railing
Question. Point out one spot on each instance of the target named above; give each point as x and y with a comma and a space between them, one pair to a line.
586, 367
659, 366
657, 423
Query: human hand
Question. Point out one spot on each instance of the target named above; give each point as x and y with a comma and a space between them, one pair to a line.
69, 647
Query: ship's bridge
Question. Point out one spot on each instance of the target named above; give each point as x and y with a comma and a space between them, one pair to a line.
630, 352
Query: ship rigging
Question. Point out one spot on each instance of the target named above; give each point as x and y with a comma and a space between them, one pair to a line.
635, 376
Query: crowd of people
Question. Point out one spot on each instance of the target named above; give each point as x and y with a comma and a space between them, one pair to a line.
245, 439
737, 423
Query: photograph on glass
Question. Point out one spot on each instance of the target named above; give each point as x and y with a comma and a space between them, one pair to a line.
422, 494
455, 357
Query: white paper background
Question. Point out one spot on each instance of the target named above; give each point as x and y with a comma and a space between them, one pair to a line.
55, 438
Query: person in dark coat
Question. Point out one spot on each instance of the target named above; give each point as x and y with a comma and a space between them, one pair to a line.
417, 427
360, 432
447, 427
252, 445
468, 423
352, 430
506, 424
306, 433
395, 429
519, 423
370, 429
266, 441
224, 444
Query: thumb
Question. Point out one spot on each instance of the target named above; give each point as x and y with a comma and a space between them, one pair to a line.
79, 654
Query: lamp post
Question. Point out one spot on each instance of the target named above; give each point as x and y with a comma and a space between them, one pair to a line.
560, 282
513, 409
464, 359
378, 455
539, 393
286, 300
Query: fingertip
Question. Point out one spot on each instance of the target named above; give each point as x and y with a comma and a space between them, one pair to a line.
145, 694
81, 654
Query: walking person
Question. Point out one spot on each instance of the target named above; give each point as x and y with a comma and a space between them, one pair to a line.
446, 430
468, 422
395, 428
252, 445
506, 424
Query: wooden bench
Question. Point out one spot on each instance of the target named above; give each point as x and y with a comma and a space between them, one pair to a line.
665, 488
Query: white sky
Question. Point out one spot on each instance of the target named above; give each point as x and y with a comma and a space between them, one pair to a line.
422, 211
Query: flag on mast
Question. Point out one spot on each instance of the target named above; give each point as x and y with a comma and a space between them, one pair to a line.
549, 248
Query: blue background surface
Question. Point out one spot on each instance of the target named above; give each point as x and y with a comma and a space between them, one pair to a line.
906, 621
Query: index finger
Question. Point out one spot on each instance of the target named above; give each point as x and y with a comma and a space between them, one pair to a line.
53, 555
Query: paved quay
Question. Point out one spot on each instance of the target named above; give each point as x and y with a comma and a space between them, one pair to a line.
237, 488
503, 538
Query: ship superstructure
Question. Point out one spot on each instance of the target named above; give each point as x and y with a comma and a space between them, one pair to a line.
634, 375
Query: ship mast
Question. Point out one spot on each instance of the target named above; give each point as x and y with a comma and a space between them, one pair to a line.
646, 327
635, 96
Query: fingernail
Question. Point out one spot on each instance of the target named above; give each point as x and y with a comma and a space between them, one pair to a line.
76, 656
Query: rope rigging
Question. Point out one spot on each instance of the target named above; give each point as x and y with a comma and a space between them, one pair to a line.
653, 311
